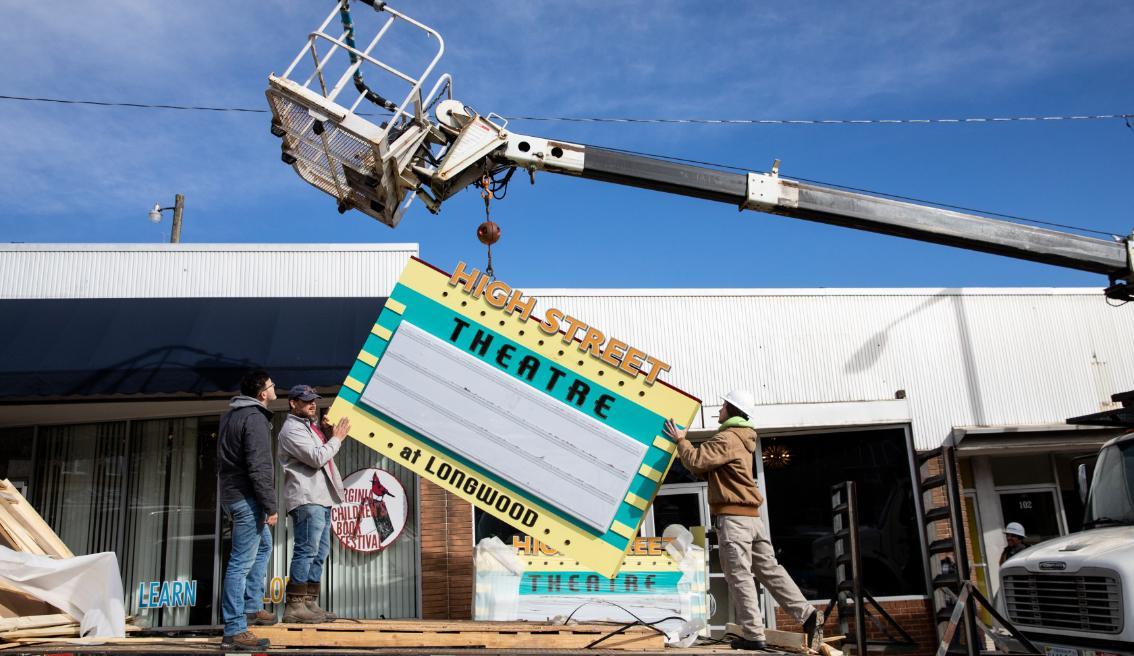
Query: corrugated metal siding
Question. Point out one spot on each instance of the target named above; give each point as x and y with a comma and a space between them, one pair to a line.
964, 358
200, 270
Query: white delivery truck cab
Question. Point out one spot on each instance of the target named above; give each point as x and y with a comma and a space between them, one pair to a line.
1074, 595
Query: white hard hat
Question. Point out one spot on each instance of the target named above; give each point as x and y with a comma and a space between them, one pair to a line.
742, 400
1015, 528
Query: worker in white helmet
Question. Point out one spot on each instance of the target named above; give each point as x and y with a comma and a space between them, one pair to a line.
725, 460
1014, 535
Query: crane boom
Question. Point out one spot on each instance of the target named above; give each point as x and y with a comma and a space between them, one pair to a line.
381, 169
812, 202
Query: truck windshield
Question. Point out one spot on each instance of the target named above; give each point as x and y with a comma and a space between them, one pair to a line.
1111, 501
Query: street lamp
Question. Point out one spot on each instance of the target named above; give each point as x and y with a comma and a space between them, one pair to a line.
178, 207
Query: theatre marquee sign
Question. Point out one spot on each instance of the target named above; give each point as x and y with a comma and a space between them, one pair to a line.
548, 424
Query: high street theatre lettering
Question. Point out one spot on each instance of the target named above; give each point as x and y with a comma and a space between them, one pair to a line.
528, 366
591, 340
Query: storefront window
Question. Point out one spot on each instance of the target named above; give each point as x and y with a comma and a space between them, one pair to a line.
799, 471
1035, 510
147, 491
79, 484
16, 456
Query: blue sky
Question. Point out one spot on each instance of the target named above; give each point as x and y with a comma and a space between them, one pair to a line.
89, 174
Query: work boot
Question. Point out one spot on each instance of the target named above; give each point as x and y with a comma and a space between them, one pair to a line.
813, 629
260, 618
750, 645
313, 603
245, 641
295, 606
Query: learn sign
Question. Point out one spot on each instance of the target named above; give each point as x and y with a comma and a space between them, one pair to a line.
549, 425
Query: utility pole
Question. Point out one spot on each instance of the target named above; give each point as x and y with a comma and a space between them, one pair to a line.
178, 207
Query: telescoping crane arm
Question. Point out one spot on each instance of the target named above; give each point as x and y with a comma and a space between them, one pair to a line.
380, 169
768, 192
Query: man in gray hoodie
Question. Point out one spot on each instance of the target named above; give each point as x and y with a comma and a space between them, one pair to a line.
312, 485
248, 497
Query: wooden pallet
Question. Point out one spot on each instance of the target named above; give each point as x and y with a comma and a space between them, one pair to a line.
69, 629
408, 634
23, 528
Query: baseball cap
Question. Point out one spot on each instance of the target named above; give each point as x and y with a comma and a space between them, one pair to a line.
303, 393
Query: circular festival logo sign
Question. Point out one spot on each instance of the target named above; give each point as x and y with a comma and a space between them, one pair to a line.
373, 512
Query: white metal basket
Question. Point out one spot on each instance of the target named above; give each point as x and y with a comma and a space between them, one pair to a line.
328, 142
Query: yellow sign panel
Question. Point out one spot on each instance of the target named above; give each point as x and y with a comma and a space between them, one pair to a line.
549, 425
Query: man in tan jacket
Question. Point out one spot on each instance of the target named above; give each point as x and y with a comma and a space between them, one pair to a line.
726, 460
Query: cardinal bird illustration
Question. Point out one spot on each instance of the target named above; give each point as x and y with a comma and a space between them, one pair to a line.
377, 506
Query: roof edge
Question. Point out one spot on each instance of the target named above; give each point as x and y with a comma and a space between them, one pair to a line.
222, 247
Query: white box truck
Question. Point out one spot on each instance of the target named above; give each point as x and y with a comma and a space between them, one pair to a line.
1074, 595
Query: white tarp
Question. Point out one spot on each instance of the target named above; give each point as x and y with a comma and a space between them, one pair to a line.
88, 588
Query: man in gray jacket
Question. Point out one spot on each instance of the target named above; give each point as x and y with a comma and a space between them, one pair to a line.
312, 485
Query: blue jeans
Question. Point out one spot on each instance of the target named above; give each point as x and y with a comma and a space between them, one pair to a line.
244, 578
312, 525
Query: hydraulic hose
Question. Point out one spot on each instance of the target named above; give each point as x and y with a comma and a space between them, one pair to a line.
348, 37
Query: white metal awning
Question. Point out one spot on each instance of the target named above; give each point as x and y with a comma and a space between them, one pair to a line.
1039, 438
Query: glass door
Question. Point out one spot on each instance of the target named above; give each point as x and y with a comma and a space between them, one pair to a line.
686, 504
1037, 509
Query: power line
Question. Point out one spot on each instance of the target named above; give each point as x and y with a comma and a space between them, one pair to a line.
68, 101
837, 121
625, 120
1124, 117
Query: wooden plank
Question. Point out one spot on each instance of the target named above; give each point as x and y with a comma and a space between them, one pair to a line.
407, 635
412, 625
69, 629
17, 534
61, 631
787, 640
117, 641
34, 622
48, 539
7, 540
782, 640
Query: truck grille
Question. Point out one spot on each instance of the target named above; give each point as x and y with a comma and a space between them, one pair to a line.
1064, 601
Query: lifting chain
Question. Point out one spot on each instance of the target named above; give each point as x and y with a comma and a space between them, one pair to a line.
488, 232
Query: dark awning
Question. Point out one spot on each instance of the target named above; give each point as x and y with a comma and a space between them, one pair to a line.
52, 348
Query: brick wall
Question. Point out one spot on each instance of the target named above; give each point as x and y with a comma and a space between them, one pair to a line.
912, 615
446, 554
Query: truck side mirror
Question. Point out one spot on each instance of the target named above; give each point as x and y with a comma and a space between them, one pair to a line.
1081, 482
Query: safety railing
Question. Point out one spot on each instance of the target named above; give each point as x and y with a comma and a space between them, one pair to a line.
365, 59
